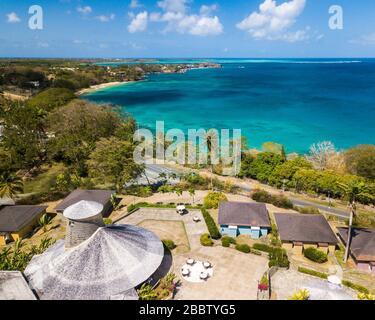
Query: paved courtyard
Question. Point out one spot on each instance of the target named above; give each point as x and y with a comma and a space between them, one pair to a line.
235, 275
285, 283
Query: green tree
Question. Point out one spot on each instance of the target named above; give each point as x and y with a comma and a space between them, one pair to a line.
76, 127
360, 160
263, 165
51, 98
10, 185
213, 199
286, 171
274, 148
112, 162
23, 136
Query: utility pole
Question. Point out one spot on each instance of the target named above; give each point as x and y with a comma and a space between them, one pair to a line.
352, 212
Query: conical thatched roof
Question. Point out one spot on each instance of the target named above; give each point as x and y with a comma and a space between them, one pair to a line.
108, 265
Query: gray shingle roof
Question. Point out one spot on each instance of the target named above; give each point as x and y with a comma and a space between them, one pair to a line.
363, 243
101, 196
13, 286
14, 218
244, 214
306, 228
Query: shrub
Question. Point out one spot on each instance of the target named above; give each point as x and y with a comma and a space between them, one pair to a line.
169, 244
212, 200
315, 255
307, 210
107, 221
279, 201
356, 287
261, 196
304, 294
364, 296
278, 258
243, 248
256, 252
262, 247
211, 225
313, 273
227, 241
206, 240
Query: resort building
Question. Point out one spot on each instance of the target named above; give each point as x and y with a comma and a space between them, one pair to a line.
237, 218
95, 262
362, 247
18, 221
100, 196
301, 231
13, 286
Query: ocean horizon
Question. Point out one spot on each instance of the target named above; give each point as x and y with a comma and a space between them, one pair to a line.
295, 101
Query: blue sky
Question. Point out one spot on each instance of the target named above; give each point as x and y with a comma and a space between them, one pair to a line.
187, 28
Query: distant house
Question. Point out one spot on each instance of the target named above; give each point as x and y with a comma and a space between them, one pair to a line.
362, 247
17, 221
301, 231
13, 286
237, 218
101, 196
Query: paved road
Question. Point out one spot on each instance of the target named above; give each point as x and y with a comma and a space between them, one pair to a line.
157, 169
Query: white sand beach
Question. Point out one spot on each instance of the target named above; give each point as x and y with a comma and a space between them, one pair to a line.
101, 86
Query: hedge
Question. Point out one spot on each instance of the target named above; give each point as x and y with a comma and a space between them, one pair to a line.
315, 255
132, 207
262, 247
227, 241
169, 244
313, 272
206, 240
356, 287
211, 225
243, 248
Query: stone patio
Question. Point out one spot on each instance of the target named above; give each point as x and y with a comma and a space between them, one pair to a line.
236, 274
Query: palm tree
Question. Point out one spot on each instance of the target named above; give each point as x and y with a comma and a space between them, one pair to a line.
192, 193
10, 185
209, 147
352, 192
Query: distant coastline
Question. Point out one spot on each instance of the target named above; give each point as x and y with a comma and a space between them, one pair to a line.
101, 87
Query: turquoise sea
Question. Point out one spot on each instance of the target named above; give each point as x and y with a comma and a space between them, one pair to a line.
296, 102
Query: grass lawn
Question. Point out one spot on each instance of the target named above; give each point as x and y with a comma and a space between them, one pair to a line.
43, 181
171, 230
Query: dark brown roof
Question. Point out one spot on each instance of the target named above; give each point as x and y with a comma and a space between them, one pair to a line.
362, 245
244, 214
14, 218
306, 228
101, 196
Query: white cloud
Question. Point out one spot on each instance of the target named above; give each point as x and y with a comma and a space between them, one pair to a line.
104, 18
134, 4
173, 5
206, 10
177, 19
367, 39
273, 21
13, 17
200, 25
84, 10
139, 22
